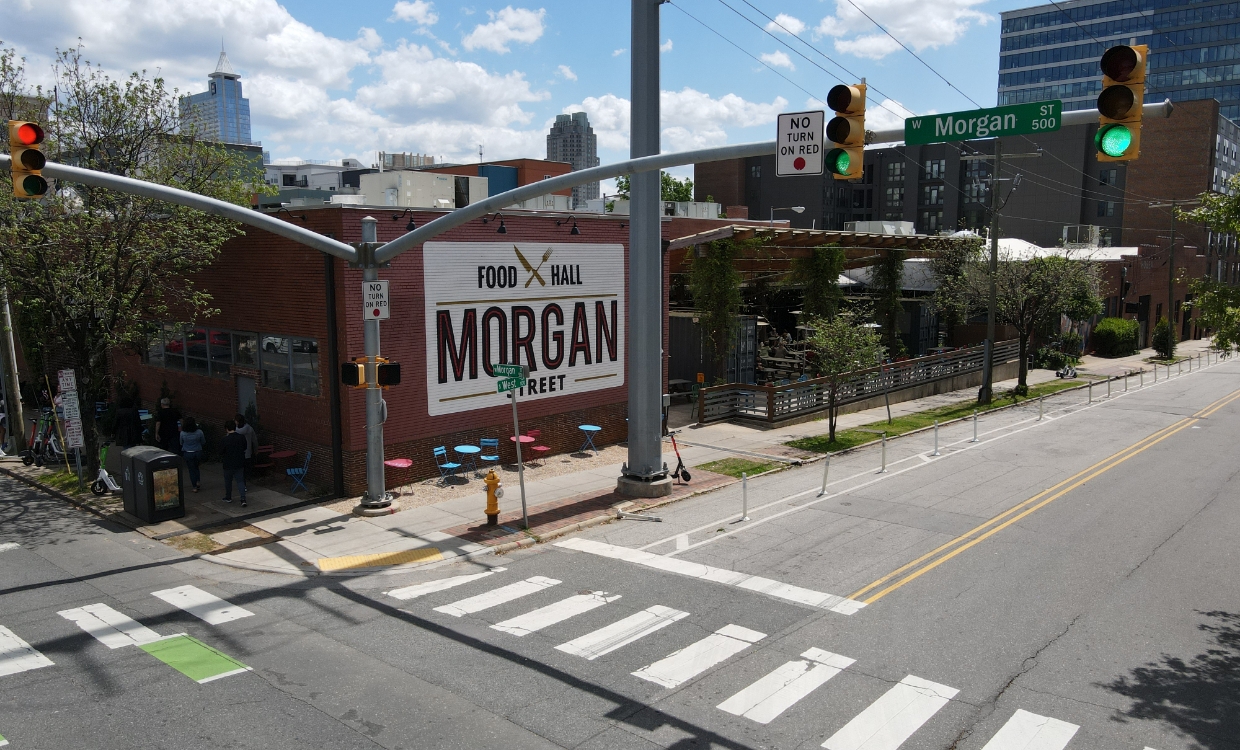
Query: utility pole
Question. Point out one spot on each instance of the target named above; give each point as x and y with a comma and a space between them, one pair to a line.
1174, 206
376, 498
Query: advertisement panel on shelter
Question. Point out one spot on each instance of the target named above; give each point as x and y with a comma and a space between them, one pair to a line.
557, 308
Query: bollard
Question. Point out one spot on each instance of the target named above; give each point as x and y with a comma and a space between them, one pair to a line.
1091, 391
1155, 369
1108, 387
826, 467
744, 496
1141, 378
1041, 399
883, 470
974, 440
1179, 368
1126, 374
936, 438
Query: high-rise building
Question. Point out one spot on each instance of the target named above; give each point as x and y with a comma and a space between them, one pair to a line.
572, 140
220, 114
1052, 51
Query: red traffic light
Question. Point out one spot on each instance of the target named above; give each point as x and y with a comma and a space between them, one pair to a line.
29, 134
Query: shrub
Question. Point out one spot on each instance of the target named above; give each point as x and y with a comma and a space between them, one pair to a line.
1116, 337
1051, 358
1070, 343
1164, 339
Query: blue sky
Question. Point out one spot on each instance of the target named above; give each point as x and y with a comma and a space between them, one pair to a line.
328, 80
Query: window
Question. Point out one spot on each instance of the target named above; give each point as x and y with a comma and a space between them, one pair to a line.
934, 169
755, 170
174, 347
895, 197
1106, 208
975, 192
305, 366
1108, 177
932, 195
286, 364
863, 199
895, 171
893, 216
931, 221
275, 368
290, 364
245, 349
289, 180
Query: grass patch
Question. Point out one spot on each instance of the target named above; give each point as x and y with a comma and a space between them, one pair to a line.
194, 542
63, 481
733, 467
852, 437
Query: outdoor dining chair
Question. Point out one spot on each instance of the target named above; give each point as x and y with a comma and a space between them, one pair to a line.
490, 452
446, 468
299, 475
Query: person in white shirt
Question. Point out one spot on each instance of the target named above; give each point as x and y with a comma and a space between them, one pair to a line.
251, 437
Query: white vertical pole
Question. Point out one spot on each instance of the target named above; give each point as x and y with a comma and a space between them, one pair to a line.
936, 438
516, 433
1041, 401
883, 470
826, 468
974, 440
744, 496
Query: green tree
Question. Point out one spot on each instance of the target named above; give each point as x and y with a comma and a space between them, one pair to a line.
1031, 293
818, 275
90, 269
670, 189
838, 346
715, 285
886, 284
1218, 306
1163, 338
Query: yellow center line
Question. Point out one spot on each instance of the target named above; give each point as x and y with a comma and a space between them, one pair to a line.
964, 539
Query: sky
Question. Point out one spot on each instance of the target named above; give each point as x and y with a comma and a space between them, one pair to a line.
328, 80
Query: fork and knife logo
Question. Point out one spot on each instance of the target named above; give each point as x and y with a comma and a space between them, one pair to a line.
534, 272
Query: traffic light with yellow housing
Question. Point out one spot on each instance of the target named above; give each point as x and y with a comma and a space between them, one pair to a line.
1119, 105
26, 151
846, 131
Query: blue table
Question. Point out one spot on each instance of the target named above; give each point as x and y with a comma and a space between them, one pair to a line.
590, 430
467, 453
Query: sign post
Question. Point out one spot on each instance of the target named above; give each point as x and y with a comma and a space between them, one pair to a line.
514, 377
799, 140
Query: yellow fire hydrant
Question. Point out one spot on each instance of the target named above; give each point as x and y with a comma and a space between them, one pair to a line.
494, 493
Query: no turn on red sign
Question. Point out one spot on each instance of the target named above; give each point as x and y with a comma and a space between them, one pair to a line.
799, 139
375, 300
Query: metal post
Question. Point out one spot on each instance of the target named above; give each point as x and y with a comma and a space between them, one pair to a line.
516, 433
1108, 387
984, 395
13, 398
1155, 369
744, 496
645, 456
376, 494
883, 470
77, 458
936, 438
1141, 378
1091, 391
826, 468
1041, 400
974, 440
1179, 367
1126, 374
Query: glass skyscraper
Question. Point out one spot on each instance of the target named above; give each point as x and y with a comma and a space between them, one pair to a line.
1050, 52
220, 114
572, 140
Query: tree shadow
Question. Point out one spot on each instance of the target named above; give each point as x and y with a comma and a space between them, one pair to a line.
1201, 696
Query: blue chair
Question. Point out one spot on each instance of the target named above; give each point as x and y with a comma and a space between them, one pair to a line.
299, 475
446, 468
490, 452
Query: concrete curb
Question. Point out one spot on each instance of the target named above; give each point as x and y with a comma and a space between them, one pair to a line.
64, 496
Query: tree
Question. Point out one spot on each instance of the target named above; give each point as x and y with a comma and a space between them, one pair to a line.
886, 288
818, 275
670, 189
91, 270
1218, 306
715, 285
841, 345
1031, 293
1163, 338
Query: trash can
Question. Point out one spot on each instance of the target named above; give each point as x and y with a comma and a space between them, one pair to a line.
151, 483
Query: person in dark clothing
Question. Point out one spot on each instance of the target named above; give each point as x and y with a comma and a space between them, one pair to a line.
168, 426
128, 424
233, 448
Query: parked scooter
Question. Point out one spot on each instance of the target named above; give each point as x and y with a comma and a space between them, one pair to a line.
39, 448
104, 483
1068, 371
681, 473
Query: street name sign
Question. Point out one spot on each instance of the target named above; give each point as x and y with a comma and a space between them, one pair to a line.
1015, 119
508, 371
509, 384
375, 300
799, 137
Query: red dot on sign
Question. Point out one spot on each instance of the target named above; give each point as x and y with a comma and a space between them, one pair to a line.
798, 164
376, 312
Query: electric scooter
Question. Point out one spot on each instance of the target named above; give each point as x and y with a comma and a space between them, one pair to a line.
104, 483
681, 473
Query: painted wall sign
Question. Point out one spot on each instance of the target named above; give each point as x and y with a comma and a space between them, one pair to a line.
556, 308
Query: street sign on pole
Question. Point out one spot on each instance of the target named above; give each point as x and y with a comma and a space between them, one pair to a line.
375, 300
509, 384
799, 140
510, 371
1015, 119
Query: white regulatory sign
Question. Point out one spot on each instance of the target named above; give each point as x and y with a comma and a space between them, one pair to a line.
375, 300
799, 139
73, 434
69, 400
68, 380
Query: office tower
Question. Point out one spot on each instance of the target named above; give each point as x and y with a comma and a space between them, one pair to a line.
220, 113
572, 140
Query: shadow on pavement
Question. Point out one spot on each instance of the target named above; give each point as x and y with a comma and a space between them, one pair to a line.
1200, 697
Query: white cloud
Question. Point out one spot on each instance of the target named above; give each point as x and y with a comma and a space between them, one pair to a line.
508, 25
567, 72
786, 24
666, 46
919, 24
618, 52
777, 59
418, 11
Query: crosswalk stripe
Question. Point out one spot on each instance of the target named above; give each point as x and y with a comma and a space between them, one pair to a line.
623, 632
808, 597
694, 659
109, 627
6, 546
887, 722
766, 699
552, 613
430, 587
207, 607
18, 656
497, 597
1028, 731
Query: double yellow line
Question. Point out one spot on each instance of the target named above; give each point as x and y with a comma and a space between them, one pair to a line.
936, 557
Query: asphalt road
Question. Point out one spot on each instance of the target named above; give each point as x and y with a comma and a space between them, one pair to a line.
1064, 582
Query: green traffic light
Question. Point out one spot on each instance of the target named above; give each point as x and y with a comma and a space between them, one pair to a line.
838, 161
1113, 140
34, 185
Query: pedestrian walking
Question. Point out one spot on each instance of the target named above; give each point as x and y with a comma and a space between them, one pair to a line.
234, 448
168, 426
251, 437
193, 442
128, 424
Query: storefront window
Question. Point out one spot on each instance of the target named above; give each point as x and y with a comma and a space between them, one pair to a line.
275, 363
305, 363
155, 348
174, 347
245, 349
219, 346
196, 351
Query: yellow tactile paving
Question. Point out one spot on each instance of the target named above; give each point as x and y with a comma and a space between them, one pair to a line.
348, 562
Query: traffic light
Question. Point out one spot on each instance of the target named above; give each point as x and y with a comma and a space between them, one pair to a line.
353, 374
389, 374
846, 131
1119, 104
26, 151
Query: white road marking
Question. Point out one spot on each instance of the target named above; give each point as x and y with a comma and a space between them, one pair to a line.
430, 587
683, 665
808, 597
766, 699
215, 677
887, 722
552, 613
497, 597
622, 633
1026, 731
18, 656
682, 541
109, 627
8, 546
207, 607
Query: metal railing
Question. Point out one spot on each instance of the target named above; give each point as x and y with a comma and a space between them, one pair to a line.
781, 402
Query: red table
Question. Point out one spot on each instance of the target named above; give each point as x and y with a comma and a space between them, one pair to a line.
399, 463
